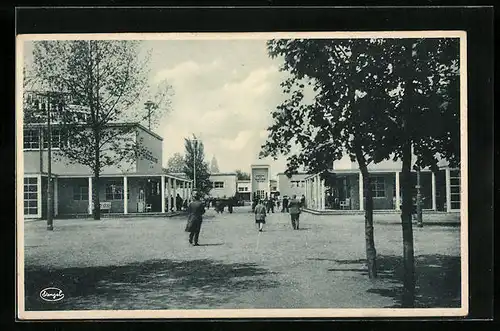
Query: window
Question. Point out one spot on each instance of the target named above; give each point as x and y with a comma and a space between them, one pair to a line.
114, 191
31, 139
242, 189
30, 196
260, 194
297, 183
378, 187
218, 184
55, 139
455, 189
81, 193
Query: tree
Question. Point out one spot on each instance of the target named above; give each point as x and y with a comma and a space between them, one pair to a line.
214, 166
102, 83
194, 162
338, 120
427, 74
372, 99
176, 163
241, 175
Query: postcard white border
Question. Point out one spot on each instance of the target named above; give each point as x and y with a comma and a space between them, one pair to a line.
244, 313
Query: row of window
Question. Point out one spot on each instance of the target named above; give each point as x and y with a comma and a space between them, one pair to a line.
114, 191
40, 103
218, 184
243, 189
32, 139
297, 183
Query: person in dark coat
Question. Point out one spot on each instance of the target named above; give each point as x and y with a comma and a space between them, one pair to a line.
178, 201
270, 205
260, 215
195, 210
302, 201
285, 205
219, 206
172, 203
230, 203
294, 208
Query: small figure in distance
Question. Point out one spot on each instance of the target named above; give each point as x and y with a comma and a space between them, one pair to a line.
260, 215
195, 210
295, 209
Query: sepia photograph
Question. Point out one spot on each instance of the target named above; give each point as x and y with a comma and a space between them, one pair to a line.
247, 175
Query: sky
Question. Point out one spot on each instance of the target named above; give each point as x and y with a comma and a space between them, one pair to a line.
224, 93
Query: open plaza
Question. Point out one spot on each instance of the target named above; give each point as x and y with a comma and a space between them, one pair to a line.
147, 263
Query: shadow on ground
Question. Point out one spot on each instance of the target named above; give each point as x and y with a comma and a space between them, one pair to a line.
157, 284
437, 279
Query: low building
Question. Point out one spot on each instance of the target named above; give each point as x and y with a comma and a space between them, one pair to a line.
295, 185
343, 187
223, 185
260, 181
134, 185
244, 190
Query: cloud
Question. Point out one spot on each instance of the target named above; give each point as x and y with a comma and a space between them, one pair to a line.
224, 99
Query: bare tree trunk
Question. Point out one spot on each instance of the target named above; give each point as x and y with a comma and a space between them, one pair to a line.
97, 179
371, 253
406, 222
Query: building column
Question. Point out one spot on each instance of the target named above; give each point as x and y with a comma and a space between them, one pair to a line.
433, 181
361, 198
322, 200
318, 192
39, 196
125, 195
169, 193
56, 198
90, 195
398, 191
313, 201
307, 193
448, 190
162, 194
174, 194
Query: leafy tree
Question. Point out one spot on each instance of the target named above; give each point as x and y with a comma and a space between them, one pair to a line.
194, 162
101, 84
339, 118
241, 175
176, 163
427, 74
372, 99
214, 166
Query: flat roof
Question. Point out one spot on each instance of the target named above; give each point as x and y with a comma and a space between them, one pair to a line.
111, 124
224, 174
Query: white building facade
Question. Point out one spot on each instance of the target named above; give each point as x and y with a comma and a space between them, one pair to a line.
223, 185
343, 187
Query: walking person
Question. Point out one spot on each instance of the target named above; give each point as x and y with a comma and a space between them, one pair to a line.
260, 215
285, 205
195, 209
294, 207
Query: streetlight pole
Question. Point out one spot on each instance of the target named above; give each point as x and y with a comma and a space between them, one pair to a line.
194, 162
50, 221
